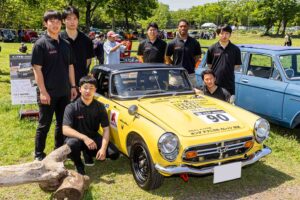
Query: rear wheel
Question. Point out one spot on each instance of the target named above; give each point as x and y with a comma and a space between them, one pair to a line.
144, 172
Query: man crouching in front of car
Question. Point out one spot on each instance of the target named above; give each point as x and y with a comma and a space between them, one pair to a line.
81, 122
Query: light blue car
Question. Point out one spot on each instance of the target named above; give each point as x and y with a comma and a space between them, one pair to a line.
268, 82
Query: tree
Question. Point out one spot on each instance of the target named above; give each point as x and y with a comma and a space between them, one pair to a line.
285, 11
131, 9
266, 14
161, 16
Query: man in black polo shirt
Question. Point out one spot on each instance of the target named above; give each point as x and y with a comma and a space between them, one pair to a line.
211, 89
52, 61
81, 44
152, 49
186, 51
223, 57
81, 123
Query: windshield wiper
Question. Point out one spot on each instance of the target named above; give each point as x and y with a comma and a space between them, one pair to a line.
151, 92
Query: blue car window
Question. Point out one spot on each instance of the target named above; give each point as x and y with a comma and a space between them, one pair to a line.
291, 65
260, 66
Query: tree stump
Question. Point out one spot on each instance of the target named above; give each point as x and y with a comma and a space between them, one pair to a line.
72, 187
50, 173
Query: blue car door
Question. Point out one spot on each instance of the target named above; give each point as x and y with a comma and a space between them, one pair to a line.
260, 87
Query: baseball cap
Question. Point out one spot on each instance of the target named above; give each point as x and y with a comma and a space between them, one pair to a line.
111, 34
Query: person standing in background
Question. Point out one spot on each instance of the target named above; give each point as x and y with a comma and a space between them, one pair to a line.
184, 50
98, 48
223, 57
112, 49
82, 46
152, 49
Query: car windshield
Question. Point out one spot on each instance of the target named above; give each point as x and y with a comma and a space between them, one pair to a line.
25, 65
150, 82
291, 65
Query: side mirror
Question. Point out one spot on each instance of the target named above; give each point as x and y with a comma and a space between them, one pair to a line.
289, 73
132, 110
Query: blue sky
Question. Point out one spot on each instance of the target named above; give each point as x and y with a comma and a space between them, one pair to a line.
185, 4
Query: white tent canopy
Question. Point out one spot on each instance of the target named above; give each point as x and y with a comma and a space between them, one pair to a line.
208, 25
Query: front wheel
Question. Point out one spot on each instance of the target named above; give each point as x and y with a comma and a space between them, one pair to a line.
142, 167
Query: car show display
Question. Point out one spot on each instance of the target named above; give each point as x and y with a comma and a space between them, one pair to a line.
23, 88
165, 129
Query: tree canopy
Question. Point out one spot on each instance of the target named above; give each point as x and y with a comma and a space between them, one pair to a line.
132, 14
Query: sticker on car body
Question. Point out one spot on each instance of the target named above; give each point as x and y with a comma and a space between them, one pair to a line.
215, 116
114, 115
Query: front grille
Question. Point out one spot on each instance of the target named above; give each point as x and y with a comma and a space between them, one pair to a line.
218, 150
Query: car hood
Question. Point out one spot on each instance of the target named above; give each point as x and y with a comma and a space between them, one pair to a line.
190, 115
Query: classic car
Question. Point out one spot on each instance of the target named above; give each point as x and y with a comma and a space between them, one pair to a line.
30, 36
7, 35
25, 70
194, 34
268, 82
165, 129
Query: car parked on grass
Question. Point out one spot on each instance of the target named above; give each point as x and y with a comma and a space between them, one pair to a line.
30, 36
7, 35
194, 34
165, 129
268, 82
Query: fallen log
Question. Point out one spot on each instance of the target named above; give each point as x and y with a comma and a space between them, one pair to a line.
50, 173
49, 169
72, 187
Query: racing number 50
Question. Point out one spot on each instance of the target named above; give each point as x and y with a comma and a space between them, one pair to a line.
218, 117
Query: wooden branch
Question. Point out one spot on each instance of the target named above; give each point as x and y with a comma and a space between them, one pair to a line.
72, 187
48, 171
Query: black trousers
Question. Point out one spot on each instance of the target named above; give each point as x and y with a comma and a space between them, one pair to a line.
77, 146
57, 106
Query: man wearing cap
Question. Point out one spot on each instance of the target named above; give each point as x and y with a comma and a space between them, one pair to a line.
112, 48
82, 45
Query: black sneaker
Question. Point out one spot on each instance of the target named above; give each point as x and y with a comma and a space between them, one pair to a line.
39, 157
80, 170
88, 160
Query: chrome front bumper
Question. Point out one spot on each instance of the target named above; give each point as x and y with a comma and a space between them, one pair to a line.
208, 170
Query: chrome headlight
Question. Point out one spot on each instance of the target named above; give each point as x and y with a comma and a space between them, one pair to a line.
261, 129
168, 145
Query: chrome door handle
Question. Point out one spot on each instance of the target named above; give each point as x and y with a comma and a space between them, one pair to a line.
245, 80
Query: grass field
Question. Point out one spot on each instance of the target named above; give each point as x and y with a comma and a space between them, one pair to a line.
113, 179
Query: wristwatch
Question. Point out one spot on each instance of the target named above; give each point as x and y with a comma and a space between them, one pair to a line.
73, 86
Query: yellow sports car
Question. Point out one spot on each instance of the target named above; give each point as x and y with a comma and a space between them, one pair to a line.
164, 128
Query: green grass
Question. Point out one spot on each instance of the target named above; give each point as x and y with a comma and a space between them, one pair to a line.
113, 179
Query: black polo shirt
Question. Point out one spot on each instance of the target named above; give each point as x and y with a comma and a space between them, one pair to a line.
223, 62
54, 56
86, 119
152, 52
183, 52
219, 93
83, 49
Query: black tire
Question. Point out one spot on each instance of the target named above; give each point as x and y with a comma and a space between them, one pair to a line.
142, 167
